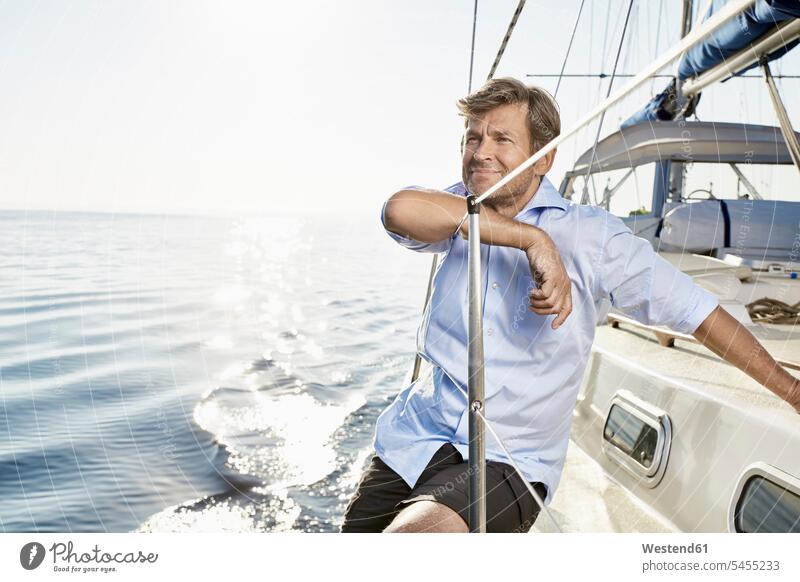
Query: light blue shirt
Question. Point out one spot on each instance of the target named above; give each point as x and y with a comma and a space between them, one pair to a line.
532, 372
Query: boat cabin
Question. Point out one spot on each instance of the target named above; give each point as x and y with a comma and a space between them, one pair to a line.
726, 190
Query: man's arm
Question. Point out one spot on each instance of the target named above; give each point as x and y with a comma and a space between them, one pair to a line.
430, 216
725, 336
648, 288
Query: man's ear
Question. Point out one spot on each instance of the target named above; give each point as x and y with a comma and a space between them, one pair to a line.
543, 166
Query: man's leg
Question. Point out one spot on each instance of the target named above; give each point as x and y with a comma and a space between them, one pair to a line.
441, 503
427, 517
372, 506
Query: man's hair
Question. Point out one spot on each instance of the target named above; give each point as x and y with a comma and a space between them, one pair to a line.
544, 121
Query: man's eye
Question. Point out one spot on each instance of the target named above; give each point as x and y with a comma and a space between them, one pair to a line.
469, 139
503, 138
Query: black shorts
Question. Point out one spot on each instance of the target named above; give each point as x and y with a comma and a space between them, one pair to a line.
382, 494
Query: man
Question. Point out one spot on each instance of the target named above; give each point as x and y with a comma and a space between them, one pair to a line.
547, 263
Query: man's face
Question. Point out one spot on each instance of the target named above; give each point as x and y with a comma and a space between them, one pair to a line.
494, 145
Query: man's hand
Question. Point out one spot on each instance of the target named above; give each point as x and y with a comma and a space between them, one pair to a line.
431, 216
553, 293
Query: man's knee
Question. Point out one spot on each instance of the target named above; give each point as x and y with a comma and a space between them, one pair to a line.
427, 516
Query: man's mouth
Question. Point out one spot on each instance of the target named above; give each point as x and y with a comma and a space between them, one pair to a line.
484, 171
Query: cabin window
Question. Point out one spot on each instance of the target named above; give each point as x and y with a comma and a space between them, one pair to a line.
624, 192
765, 506
637, 436
731, 182
631, 435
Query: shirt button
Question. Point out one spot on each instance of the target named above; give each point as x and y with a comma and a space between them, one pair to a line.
489, 331
495, 285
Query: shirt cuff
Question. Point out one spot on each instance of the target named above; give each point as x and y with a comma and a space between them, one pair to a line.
704, 302
410, 243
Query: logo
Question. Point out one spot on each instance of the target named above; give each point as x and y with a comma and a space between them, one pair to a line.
31, 555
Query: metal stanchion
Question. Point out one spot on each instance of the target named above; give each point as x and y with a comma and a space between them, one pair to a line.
477, 444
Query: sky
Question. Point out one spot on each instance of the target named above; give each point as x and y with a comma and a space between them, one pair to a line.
264, 107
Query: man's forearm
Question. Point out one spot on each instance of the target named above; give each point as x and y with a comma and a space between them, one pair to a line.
725, 336
431, 216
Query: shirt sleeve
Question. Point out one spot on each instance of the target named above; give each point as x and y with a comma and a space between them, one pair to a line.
645, 286
415, 245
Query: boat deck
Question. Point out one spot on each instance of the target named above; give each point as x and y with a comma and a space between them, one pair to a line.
590, 501
700, 369
598, 497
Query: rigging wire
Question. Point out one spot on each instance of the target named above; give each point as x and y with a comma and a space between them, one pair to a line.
608, 93
532, 491
658, 37
506, 38
599, 89
605, 41
602, 75
590, 46
435, 259
569, 48
633, 36
472, 50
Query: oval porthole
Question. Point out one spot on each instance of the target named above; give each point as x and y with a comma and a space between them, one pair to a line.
637, 436
766, 500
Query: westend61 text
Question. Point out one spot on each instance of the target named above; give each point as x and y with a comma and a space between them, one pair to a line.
670, 549
65, 554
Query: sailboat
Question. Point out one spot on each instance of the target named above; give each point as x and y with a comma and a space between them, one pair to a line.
666, 436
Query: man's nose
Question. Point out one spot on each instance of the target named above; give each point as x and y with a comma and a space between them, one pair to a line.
484, 150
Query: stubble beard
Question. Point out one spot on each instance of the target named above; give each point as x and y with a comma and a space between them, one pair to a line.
514, 195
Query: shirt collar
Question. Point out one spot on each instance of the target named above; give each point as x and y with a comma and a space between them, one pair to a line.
546, 196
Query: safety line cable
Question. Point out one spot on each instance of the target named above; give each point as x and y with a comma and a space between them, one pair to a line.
532, 491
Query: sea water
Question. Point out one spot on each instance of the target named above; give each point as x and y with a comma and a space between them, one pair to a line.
171, 373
